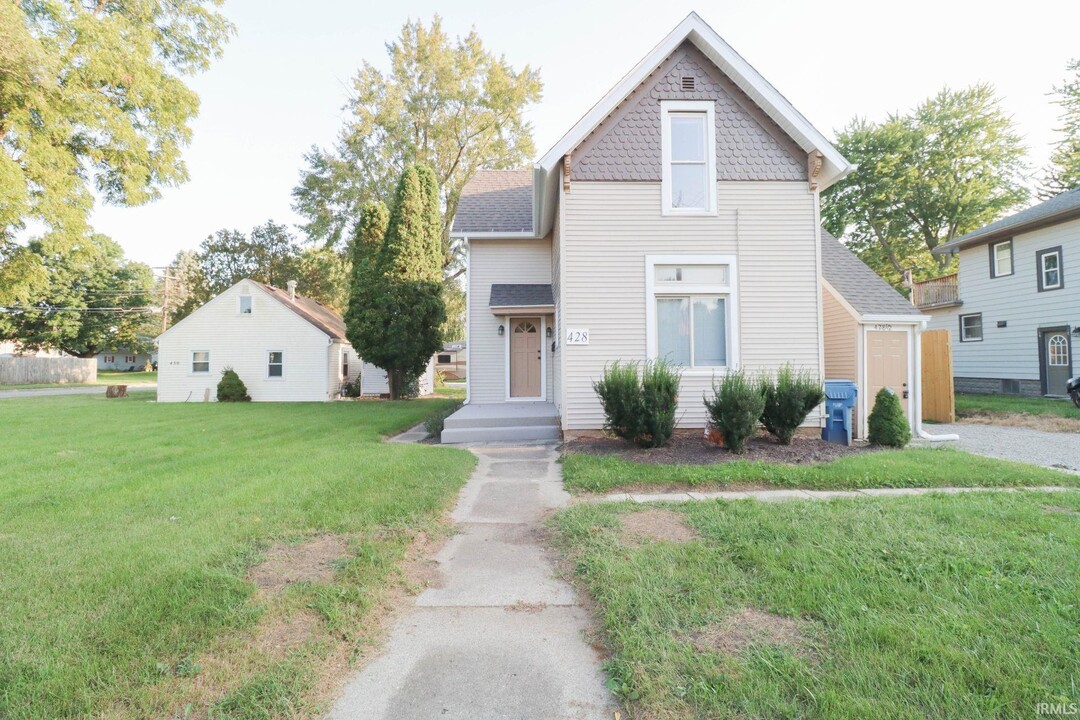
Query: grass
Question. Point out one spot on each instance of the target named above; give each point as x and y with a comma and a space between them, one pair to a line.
967, 405
953, 607
127, 527
913, 467
104, 377
451, 391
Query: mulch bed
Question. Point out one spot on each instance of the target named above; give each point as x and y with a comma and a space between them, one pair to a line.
691, 448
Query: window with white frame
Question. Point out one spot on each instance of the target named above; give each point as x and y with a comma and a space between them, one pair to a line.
691, 313
689, 157
245, 305
345, 363
1001, 259
200, 361
275, 364
971, 327
1049, 265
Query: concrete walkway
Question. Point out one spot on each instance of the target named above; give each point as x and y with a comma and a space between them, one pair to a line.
500, 636
85, 390
783, 495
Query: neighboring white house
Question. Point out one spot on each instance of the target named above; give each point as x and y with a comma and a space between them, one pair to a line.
677, 219
285, 347
1013, 308
124, 359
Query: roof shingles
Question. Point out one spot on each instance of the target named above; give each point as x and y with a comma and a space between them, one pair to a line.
521, 295
860, 286
496, 201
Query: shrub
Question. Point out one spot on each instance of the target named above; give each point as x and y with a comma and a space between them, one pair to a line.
231, 388
887, 424
735, 407
789, 398
434, 424
352, 389
640, 407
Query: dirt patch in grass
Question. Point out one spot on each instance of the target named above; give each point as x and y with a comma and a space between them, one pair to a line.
657, 525
312, 561
1059, 510
275, 636
750, 627
1046, 423
691, 448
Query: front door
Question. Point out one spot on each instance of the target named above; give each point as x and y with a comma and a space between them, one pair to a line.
887, 365
1056, 360
525, 357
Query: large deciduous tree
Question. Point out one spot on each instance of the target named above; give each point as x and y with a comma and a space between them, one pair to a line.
950, 166
1064, 171
396, 307
91, 300
92, 100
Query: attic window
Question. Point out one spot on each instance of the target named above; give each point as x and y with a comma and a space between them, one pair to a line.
688, 83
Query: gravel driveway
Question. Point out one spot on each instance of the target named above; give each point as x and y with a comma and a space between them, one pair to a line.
1059, 450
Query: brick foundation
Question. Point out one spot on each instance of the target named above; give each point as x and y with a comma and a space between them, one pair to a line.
998, 386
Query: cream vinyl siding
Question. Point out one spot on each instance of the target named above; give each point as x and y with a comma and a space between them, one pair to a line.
554, 376
841, 340
1012, 352
242, 343
608, 230
492, 262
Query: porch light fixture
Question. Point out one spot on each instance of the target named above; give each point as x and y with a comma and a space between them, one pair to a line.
502, 329
550, 331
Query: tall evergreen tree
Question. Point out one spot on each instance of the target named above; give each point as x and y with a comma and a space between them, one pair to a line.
396, 312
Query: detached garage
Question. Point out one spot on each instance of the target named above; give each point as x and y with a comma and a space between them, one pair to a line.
871, 333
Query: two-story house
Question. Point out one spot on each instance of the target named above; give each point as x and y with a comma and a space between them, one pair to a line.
677, 219
1013, 307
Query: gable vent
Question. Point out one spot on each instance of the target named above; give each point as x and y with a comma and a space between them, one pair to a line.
688, 83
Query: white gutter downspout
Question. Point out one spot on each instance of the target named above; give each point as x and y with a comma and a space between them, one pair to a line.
918, 394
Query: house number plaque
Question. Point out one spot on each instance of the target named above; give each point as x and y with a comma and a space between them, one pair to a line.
577, 336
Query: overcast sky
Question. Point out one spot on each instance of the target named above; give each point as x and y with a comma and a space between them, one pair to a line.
285, 76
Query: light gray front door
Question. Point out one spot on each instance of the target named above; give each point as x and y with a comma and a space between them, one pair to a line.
1057, 360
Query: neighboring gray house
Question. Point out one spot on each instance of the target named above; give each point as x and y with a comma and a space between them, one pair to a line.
677, 219
1013, 308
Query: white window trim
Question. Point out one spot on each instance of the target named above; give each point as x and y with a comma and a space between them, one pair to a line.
1042, 269
1063, 345
730, 291
708, 107
963, 328
275, 378
239, 304
1012, 260
191, 367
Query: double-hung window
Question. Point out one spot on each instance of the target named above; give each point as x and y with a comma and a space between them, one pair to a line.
275, 364
1001, 259
691, 311
200, 361
245, 305
971, 329
689, 157
1048, 263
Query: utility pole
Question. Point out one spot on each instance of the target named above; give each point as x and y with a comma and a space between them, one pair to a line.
165, 278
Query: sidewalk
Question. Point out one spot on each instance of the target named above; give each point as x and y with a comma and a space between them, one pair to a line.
82, 390
783, 495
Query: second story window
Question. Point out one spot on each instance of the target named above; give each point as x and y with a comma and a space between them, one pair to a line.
1001, 259
689, 157
245, 304
1048, 263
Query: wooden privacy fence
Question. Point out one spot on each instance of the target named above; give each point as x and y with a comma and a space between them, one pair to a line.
938, 400
43, 370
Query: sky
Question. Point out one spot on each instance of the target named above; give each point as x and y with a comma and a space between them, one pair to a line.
285, 76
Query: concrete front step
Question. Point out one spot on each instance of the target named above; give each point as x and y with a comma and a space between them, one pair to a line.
514, 433
505, 415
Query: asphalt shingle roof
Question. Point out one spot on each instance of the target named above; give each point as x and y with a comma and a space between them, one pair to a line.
863, 288
1057, 209
313, 311
496, 201
520, 295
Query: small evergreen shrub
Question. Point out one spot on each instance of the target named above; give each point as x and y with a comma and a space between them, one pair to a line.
640, 407
734, 408
231, 388
789, 398
887, 424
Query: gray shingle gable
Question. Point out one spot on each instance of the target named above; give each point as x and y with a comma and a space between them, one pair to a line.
860, 286
496, 201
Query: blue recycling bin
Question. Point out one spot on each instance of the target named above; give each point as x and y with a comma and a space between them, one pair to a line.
840, 396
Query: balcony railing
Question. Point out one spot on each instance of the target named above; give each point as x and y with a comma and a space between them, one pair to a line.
936, 292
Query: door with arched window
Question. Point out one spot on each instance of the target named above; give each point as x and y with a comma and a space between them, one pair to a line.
525, 357
1055, 352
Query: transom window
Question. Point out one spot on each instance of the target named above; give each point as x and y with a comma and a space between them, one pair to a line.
275, 364
689, 157
971, 327
1050, 270
200, 361
691, 313
525, 327
1058, 351
1001, 259
245, 305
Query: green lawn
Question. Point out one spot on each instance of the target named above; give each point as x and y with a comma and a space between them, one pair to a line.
104, 377
960, 607
913, 467
127, 528
1009, 404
